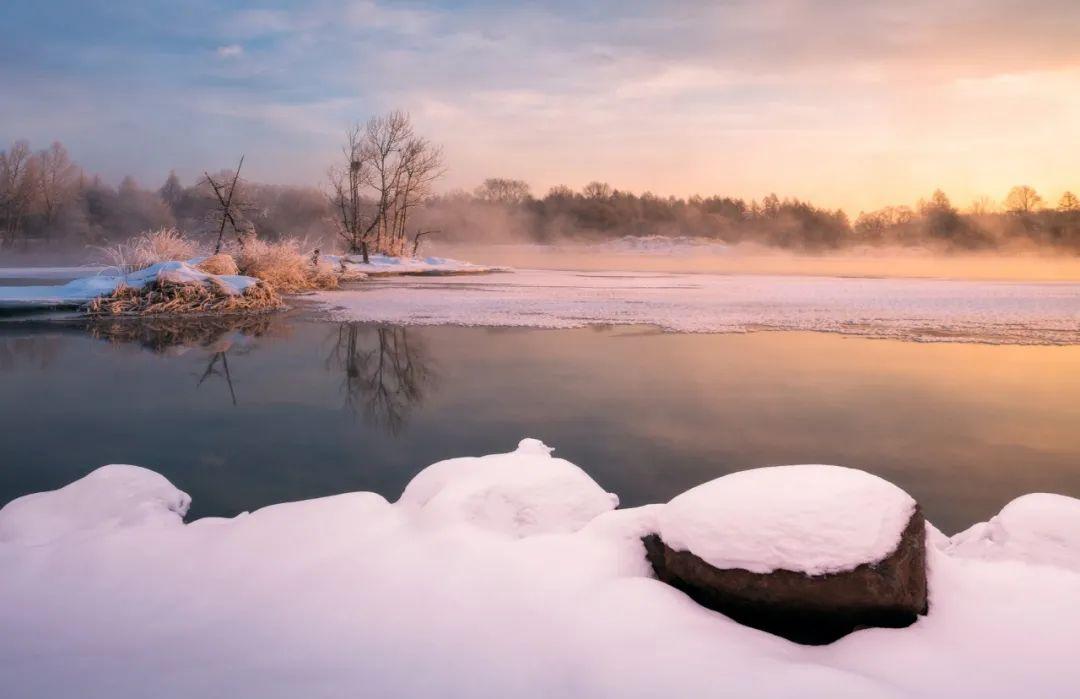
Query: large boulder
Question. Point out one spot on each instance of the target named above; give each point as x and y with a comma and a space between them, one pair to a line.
809, 553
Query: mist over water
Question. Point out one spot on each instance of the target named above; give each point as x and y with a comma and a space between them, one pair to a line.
672, 255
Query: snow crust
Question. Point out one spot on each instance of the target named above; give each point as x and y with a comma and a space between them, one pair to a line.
916, 309
85, 289
354, 596
811, 519
386, 265
523, 493
1038, 528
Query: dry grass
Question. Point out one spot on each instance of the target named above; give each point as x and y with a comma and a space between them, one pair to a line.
221, 263
148, 248
162, 245
165, 296
285, 266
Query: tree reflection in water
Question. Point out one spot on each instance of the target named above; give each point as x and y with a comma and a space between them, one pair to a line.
218, 335
388, 372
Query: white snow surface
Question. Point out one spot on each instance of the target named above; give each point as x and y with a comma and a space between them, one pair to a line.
914, 309
812, 519
85, 289
523, 493
111, 497
1038, 528
350, 596
387, 265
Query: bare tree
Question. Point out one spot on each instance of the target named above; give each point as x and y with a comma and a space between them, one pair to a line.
501, 190
19, 186
58, 178
1068, 202
388, 171
1022, 200
230, 207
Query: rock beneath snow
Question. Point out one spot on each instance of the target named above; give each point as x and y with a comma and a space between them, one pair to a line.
1038, 528
109, 497
810, 553
523, 493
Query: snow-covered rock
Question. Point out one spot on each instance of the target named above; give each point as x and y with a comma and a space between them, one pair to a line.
111, 497
1038, 528
810, 553
810, 519
523, 493
85, 289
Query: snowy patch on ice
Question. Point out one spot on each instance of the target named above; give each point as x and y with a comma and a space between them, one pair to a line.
85, 289
49, 272
113, 496
353, 596
916, 309
386, 265
810, 519
523, 493
1037, 528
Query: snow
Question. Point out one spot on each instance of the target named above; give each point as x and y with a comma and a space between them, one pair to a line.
913, 309
386, 265
111, 497
85, 289
524, 493
49, 272
811, 519
1039, 528
354, 596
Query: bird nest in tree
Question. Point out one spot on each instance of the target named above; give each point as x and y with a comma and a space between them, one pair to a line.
166, 296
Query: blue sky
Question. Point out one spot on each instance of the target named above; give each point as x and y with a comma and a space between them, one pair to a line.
850, 104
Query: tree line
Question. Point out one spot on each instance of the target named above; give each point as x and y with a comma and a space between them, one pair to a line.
380, 197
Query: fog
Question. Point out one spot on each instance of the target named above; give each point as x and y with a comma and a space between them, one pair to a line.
756, 259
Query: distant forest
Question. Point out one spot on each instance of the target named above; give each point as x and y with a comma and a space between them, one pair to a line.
48, 200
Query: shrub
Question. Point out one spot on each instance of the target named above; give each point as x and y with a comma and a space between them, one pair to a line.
284, 266
162, 245
222, 263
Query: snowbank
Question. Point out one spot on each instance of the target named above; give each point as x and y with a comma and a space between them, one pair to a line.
111, 497
810, 519
930, 310
353, 596
1037, 528
523, 493
385, 265
82, 291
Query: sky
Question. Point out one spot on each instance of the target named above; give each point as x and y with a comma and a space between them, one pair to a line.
848, 104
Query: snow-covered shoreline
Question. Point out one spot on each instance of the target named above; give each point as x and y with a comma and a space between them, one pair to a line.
85, 289
506, 575
909, 309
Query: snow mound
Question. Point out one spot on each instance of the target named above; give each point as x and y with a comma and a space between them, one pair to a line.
86, 289
812, 519
1037, 528
523, 493
112, 496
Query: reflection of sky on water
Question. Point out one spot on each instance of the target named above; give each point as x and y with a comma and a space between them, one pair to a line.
323, 408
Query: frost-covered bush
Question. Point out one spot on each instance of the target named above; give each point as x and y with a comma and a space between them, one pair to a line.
222, 263
162, 245
284, 265
148, 248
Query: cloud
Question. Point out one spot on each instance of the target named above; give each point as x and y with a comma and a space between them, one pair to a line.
230, 51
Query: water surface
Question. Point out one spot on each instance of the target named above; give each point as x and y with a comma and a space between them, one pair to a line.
294, 407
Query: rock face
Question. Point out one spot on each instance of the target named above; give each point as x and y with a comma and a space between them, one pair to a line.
809, 609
